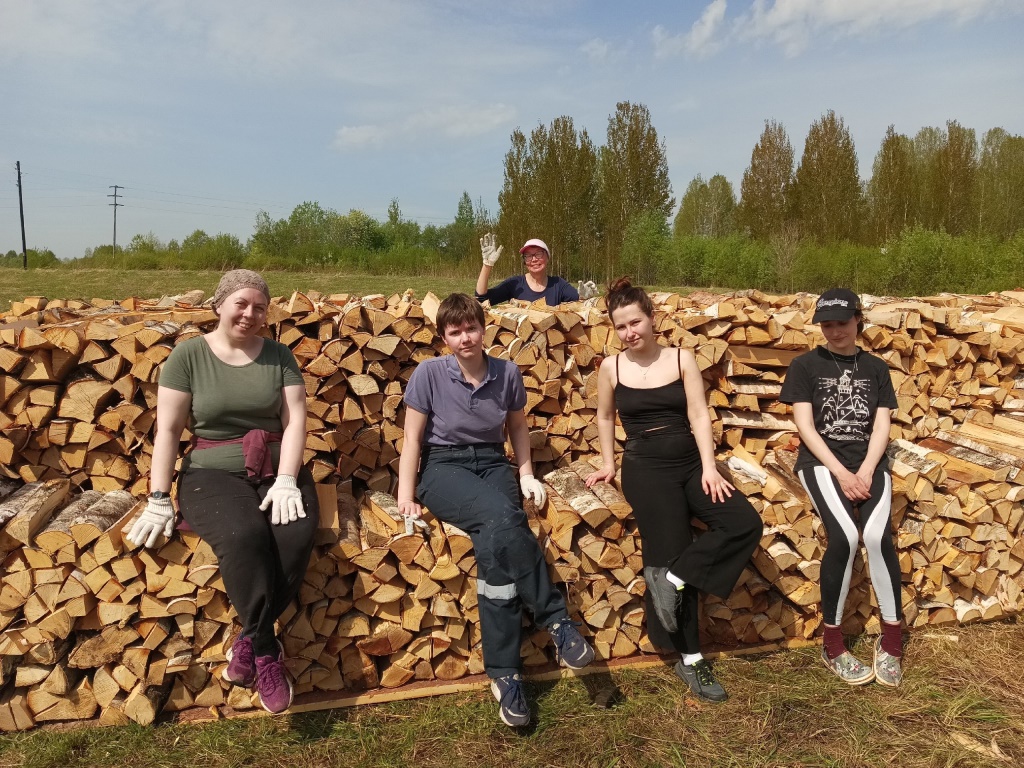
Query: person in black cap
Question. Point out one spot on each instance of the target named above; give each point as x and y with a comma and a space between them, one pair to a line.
534, 284
841, 398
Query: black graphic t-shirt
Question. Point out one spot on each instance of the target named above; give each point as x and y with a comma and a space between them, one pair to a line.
844, 393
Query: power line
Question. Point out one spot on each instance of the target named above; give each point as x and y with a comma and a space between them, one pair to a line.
115, 205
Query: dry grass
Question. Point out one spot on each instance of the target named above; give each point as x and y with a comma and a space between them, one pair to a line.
962, 704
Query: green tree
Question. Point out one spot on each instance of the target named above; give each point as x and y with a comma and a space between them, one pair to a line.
927, 179
764, 191
957, 179
550, 192
633, 177
891, 189
708, 209
1001, 184
826, 190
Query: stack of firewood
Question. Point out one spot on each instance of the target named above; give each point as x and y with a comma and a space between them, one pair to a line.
91, 627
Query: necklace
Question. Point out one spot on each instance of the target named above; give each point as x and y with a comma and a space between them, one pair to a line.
836, 361
645, 369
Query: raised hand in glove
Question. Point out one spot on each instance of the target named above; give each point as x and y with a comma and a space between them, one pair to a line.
286, 499
156, 519
488, 251
533, 489
586, 290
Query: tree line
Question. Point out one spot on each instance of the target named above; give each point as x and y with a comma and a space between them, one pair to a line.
941, 211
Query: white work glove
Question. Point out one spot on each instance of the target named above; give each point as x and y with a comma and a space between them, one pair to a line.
533, 489
488, 251
586, 290
157, 518
287, 501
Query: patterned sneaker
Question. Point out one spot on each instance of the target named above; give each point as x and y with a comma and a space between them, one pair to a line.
241, 669
701, 680
508, 690
848, 668
888, 669
272, 682
666, 599
570, 647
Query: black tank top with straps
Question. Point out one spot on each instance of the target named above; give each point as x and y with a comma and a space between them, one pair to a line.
646, 410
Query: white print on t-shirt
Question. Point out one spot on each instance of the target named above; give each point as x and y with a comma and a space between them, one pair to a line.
845, 409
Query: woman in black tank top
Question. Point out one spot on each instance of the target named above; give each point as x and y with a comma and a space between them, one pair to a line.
668, 475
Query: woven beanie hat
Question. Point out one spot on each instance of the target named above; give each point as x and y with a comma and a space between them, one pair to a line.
237, 279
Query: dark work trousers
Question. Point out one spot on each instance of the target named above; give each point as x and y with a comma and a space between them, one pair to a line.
474, 488
661, 480
262, 565
841, 525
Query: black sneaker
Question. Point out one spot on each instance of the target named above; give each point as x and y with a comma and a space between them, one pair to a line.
665, 597
571, 648
701, 680
508, 690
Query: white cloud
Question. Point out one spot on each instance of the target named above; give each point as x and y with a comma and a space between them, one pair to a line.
702, 40
451, 122
596, 49
792, 24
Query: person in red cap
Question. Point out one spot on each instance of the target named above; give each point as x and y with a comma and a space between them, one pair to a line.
841, 398
535, 284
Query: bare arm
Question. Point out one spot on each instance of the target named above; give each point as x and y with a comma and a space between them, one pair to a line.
293, 422
519, 434
409, 462
714, 485
605, 423
877, 444
172, 410
482, 278
803, 415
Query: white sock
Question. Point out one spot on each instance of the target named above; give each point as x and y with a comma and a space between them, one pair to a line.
679, 583
691, 658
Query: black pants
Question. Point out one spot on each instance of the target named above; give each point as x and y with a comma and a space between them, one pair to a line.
661, 480
474, 488
262, 565
875, 520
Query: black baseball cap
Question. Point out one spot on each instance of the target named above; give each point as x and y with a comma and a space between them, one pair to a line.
836, 304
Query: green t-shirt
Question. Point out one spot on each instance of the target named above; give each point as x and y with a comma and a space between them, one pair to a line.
230, 400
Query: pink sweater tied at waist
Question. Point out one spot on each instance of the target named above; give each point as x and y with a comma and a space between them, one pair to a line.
255, 451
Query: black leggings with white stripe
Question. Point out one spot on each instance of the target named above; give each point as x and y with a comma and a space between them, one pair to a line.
875, 520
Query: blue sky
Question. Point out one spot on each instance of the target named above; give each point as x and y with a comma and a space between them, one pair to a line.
207, 112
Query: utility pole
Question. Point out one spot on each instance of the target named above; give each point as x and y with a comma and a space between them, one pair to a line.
21, 211
115, 205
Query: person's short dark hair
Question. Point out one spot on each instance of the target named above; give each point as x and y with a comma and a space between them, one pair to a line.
458, 308
622, 293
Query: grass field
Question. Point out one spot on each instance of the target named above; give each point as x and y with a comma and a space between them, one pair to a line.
16, 284
961, 704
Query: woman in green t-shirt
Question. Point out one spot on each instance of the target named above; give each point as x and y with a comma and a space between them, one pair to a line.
242, 486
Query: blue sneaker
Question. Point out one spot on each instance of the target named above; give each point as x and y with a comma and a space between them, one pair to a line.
571, 648
508, 690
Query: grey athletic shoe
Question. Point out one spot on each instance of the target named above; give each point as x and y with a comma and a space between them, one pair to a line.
701, 680
888, 669
570, 647
666, 599
848, 668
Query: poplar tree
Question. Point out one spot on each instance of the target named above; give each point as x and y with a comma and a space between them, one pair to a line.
766, 183
957, 179
1001, 184
891, 189
826, 190
707, 209
927, 143
633, 173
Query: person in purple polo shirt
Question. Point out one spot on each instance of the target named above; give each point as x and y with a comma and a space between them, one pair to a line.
458, 409
534, 284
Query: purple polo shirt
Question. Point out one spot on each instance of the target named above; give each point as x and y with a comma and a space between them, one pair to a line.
458, 414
